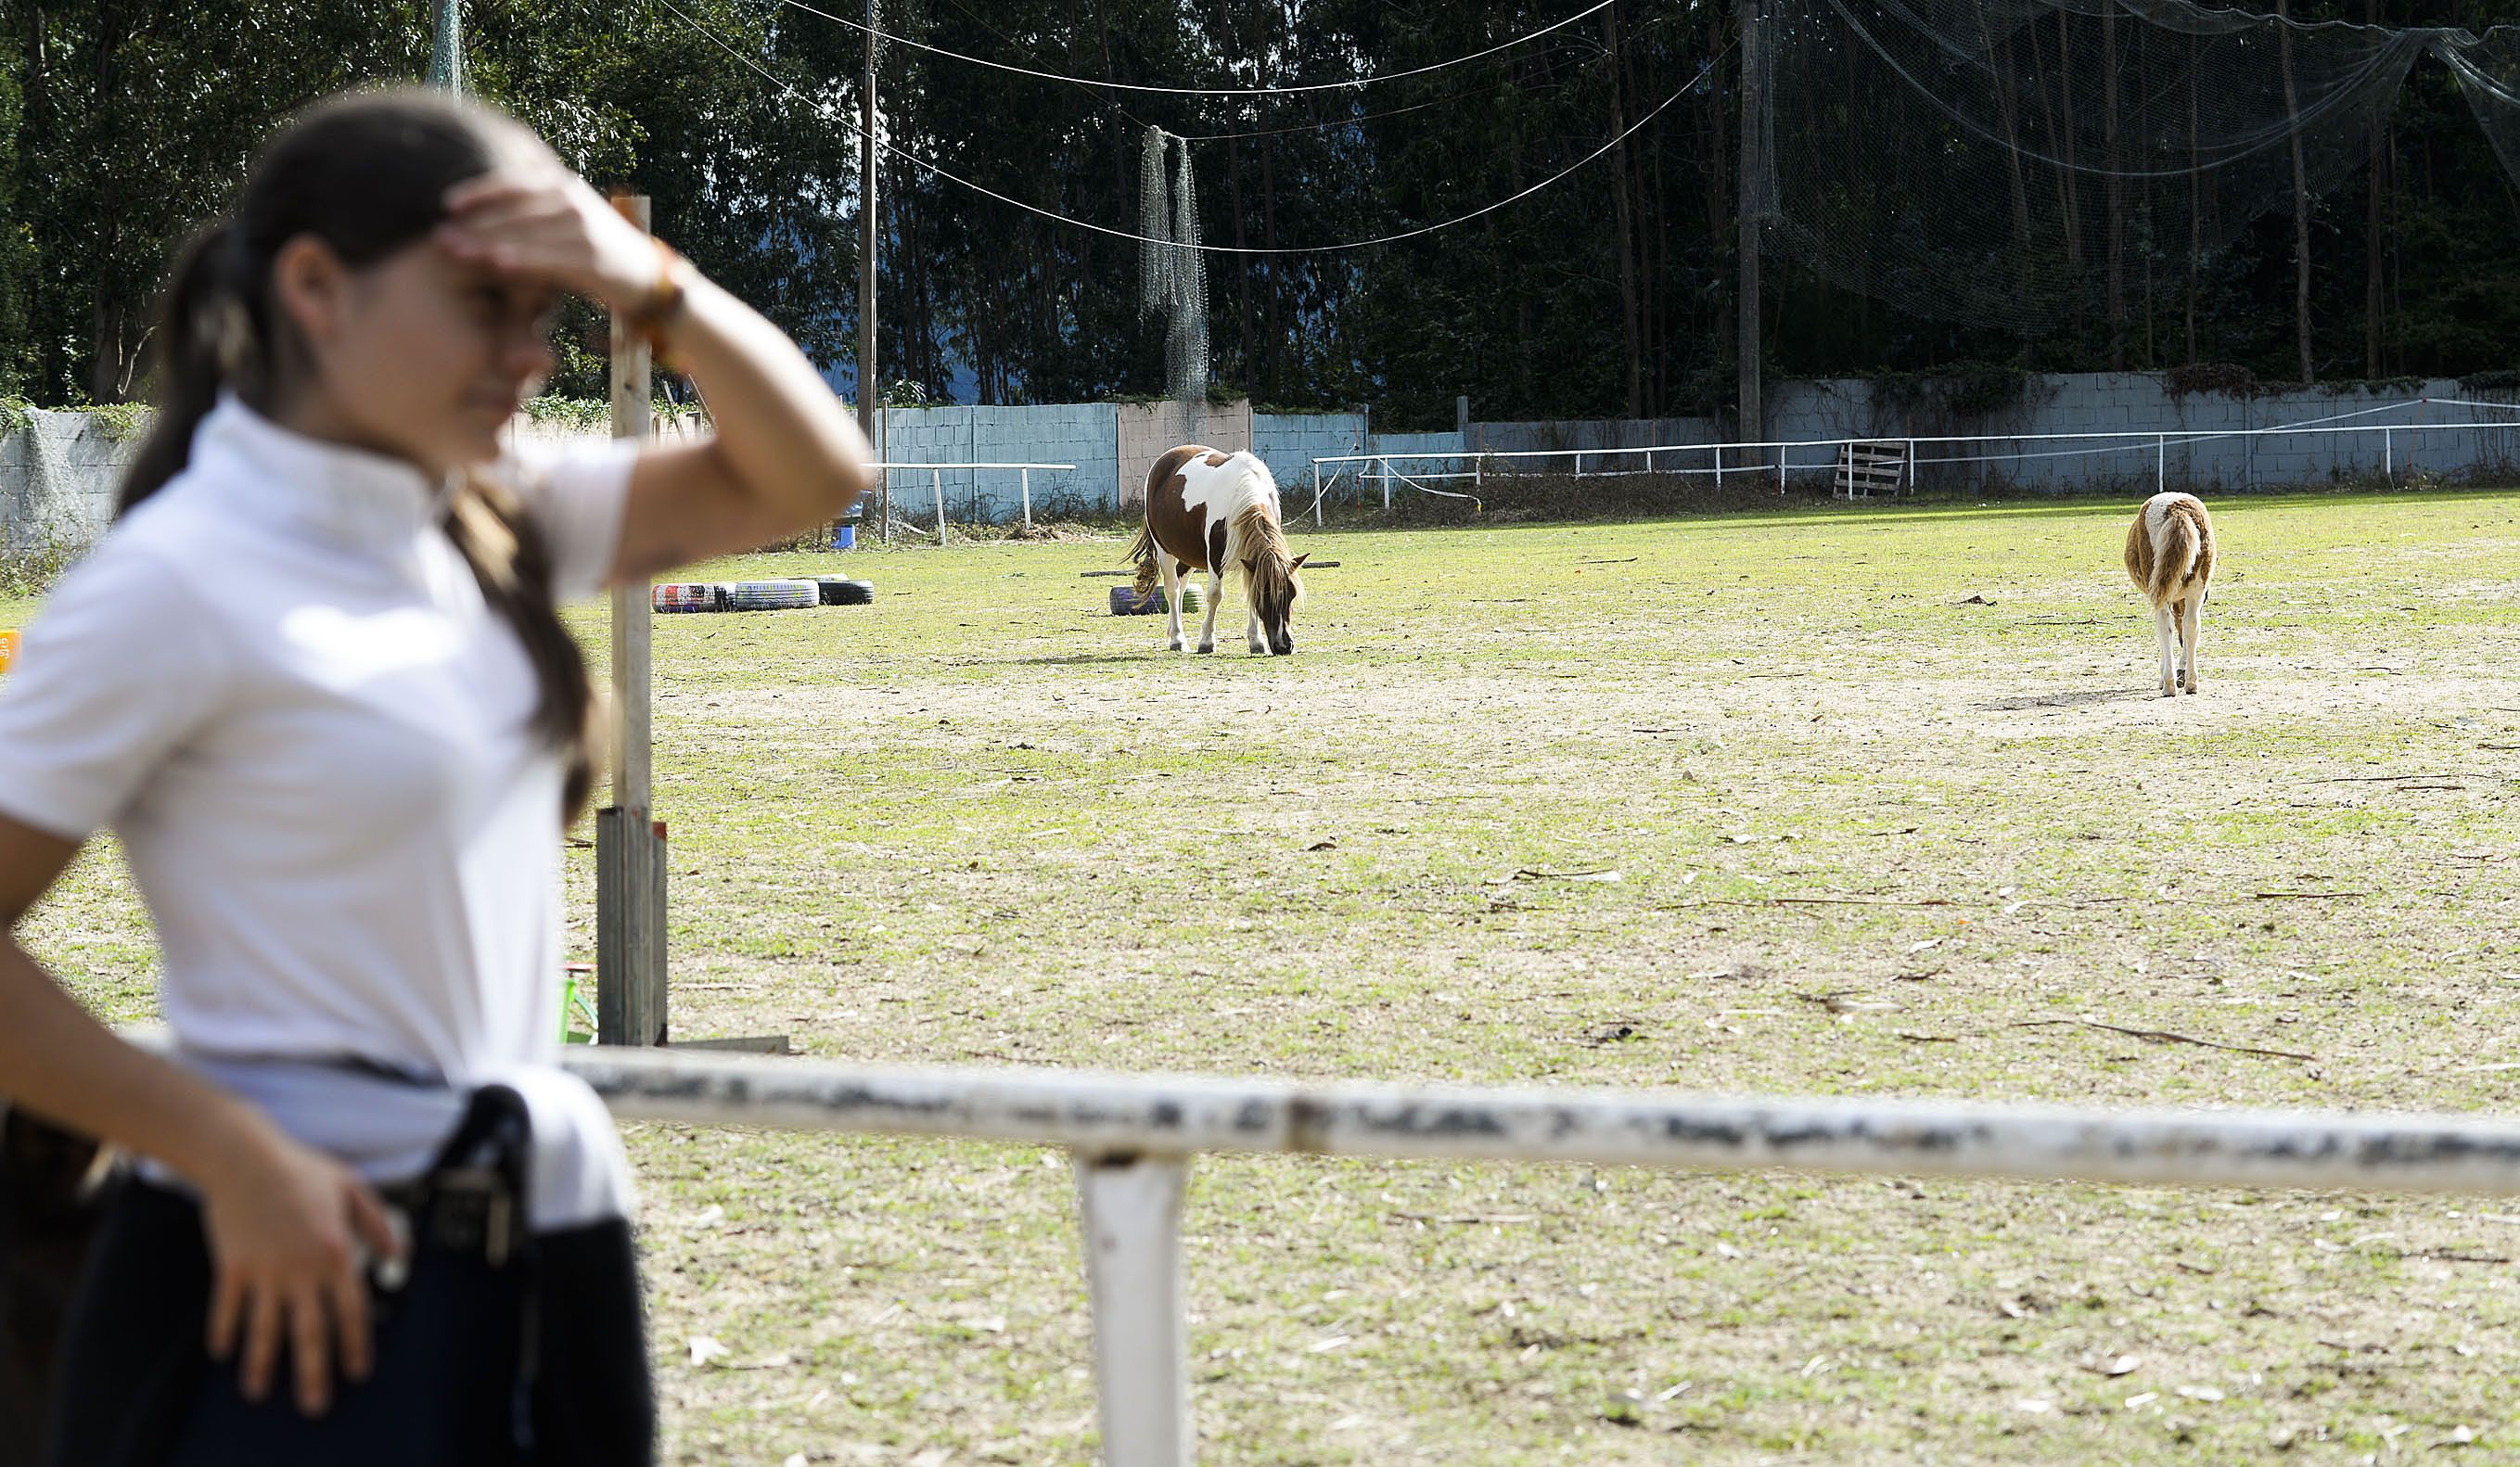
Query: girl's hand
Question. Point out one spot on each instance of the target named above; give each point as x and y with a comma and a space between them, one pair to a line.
287, 1228
546, 225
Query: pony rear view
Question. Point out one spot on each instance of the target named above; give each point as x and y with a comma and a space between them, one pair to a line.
2170, 557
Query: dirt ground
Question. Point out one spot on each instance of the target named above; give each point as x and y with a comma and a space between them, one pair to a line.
1870, 801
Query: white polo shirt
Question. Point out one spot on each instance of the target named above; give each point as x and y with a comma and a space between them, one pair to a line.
277, 683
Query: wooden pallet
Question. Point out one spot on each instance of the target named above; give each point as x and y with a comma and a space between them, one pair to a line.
1863, 469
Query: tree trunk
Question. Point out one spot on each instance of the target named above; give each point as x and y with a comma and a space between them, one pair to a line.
2065, 96
1715, 168
1624, 207
2115, 187
2008, 108
2300, 203
1751, 410
2058, 134
2195, 201
1268, 240
2374, 306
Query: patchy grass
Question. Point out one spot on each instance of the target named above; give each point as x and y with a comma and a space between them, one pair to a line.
983, 822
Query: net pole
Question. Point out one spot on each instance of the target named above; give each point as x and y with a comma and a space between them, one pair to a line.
1751, 412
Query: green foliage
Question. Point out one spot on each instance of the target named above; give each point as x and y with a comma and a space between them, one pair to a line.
17, 415
31, 572
119, 421
1962, 390
582, 414
123, 126
589, 415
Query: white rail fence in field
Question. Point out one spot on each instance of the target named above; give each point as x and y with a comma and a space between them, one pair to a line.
1777, 458
936, 481
1131, 1138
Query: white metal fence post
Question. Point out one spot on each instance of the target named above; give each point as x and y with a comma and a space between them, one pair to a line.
2160, 463
1133, 1261
1027, 497
1780, 470
1385, 465
1911, 467
1317, 494
936, 481
2388, 455
1718, 455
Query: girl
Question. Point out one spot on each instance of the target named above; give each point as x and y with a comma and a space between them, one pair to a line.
314, 681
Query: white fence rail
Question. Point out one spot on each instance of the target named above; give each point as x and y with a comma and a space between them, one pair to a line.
1131, 1138
1775, 456
936, 480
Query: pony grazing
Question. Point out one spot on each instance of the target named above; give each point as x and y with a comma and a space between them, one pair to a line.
1208, 511
2170, 556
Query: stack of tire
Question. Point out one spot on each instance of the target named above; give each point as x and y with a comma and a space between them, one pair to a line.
683, 596
773, 595
794, 595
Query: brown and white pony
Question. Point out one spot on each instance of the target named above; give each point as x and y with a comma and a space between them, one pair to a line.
2170, 556
1208, 511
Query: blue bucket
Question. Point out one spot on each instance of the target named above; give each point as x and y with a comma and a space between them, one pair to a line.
844, 535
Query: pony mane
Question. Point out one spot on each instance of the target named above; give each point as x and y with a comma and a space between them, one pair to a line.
1272, 567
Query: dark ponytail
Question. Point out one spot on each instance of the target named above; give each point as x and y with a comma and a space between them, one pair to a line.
206, 344
367, 174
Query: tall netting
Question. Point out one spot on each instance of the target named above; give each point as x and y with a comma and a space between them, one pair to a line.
2489, 76
1175, 271
2051, 165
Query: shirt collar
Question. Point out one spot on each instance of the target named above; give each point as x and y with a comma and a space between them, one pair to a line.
367, 500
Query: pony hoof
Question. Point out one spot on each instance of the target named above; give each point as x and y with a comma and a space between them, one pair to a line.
2169, 688
2192, 686
1173, 646
1207, 646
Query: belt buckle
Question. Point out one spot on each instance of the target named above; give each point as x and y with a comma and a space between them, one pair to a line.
471, 1212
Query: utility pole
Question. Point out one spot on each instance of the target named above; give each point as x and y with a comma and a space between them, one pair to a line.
1752, 198
870, 388
446, 50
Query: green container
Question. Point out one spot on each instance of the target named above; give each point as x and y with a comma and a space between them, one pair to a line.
573, 1007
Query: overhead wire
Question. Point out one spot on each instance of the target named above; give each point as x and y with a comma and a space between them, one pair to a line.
1175, 91
1394, 237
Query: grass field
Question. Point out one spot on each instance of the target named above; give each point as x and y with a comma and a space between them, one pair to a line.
983, 822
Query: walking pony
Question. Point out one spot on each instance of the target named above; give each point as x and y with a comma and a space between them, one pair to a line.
2169, 558
1209, 511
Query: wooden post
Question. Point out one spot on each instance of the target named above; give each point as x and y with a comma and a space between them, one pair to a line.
1752, 199
629, 841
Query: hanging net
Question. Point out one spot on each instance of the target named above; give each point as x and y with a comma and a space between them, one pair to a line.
2053, 165
2489, 76
1175, 271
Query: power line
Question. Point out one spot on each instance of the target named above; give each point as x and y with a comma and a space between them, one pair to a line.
1415, 107
1117, 109
1235, 250
1131, 86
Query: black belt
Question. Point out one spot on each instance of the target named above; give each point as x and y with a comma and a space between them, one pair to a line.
472, 1201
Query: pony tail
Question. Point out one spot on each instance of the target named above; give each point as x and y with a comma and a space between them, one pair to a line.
206, 337
511, 561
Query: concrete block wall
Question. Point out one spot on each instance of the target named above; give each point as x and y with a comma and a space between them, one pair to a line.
59, 477
2103, 403
1604, 433
1289, 442
58, 481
